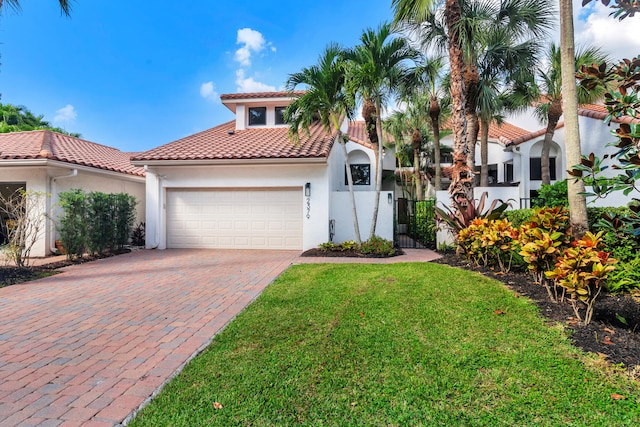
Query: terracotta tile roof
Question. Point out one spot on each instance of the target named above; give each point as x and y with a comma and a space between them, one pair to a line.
257, 95
505, 132
358, 134
224, 142
44, 144
600, 112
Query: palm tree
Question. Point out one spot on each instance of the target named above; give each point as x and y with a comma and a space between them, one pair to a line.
505, 40
426, 79
575, 188
411, 125
549, 109
65, 5
325, 100
375, 69
419, 12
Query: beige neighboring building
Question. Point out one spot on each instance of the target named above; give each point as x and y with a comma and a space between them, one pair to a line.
53, 163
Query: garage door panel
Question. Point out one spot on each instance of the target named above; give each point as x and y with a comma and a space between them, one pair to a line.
247, 219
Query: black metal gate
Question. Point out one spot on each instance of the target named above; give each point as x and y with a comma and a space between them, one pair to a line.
415, 224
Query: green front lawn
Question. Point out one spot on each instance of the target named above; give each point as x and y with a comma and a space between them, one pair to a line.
392, 345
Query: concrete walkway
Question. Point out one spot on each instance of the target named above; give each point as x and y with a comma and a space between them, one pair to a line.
91, 345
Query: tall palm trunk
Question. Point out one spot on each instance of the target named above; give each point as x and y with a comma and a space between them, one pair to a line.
369, 115
553, 117
416, 142
352, 198
380, 147
484, 152
471, 80
461, 188
577, 202
434, 113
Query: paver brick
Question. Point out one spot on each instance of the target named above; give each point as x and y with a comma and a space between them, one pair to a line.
100, 338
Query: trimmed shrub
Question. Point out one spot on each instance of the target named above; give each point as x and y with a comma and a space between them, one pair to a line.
378, 246
95, 222
552, 195
73, 225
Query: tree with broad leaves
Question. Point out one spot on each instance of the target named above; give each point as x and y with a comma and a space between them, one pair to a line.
621, 8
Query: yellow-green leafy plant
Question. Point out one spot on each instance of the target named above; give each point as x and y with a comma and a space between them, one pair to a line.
489, 242
542, 240
582, 270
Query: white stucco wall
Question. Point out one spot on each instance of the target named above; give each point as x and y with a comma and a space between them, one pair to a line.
256, 176
39, 178
342, 214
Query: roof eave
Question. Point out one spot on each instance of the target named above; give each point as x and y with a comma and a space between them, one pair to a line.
213, 162
68, 165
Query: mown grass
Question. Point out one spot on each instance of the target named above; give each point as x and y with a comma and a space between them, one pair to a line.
392, 345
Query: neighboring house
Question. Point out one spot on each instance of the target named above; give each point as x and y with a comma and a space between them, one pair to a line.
515, 149
245, 185
50, 162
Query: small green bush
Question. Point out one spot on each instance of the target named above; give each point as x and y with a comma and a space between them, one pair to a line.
96, 221
350, 245
426, 222
552, 195
626, 276
378, 246
73, 225
517, 217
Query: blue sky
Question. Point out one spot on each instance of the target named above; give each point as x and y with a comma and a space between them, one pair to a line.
135, 75
132, 76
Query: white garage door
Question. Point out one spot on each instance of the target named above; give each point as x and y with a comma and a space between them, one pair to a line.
235, 219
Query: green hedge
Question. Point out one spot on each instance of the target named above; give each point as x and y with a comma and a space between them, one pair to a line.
95, 222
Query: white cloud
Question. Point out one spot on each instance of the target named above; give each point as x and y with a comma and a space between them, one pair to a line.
251, 41
594, 26
249, 84
208, 91
66, 114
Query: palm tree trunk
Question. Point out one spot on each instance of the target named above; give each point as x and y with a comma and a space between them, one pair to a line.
461, 188
416, 142
471, 79
347, 165
376, 202
555, 111
434, 112
577, 202
484, 153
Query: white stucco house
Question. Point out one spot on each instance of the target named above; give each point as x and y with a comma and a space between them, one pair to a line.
515, 149
49, 162
245, 185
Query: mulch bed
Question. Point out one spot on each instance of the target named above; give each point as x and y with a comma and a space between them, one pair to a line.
614, 331
317, 252
10, 275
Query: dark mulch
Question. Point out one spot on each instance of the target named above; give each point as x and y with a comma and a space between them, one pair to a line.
317, 252
10, 275
614, 330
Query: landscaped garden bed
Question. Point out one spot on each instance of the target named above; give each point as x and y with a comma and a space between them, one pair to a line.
613, 333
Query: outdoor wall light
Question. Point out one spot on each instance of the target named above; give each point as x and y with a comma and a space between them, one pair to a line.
389, 198
307, 189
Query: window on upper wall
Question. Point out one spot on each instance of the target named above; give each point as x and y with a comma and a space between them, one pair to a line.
280, 115
360, 173
535, 168
257, 116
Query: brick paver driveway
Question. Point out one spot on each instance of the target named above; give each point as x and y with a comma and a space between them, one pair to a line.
90, 345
